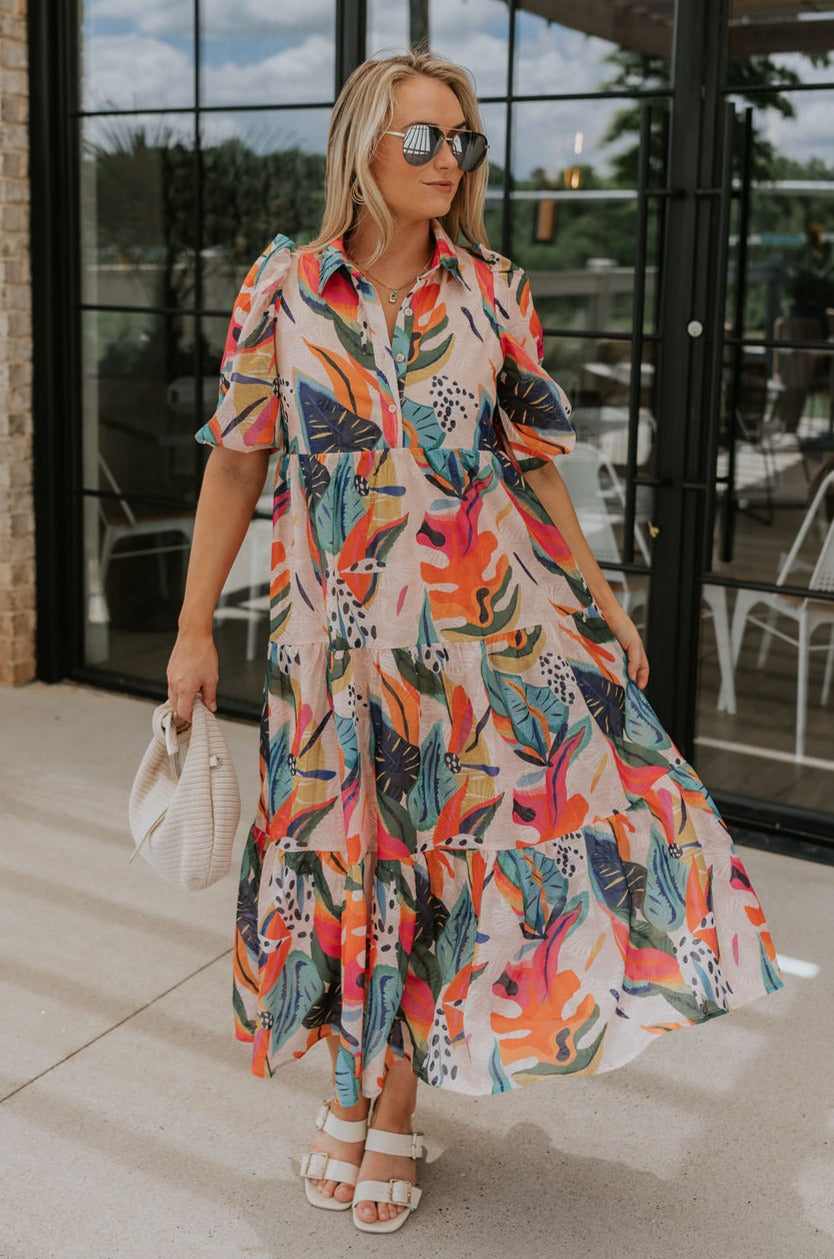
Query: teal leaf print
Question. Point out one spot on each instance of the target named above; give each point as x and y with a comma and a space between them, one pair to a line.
295, 989
328, 425
384, 993
424, 421
456, 944
641, 723
665, 901
339, 510
435, 783
543, 887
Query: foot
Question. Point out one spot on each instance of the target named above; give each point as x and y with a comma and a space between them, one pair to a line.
346, 1151
377, 1166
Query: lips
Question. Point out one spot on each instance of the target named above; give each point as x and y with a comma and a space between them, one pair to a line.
441, 185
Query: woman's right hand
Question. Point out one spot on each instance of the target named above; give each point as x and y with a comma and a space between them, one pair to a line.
192, 670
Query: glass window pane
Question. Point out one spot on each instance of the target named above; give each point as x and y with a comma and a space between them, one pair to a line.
263, 173
596, 375
751, 708
138, 210
784, 41
790, 239
474, 33
388, 26
574, 208
140, 471
569, 48
260, 54
137, 55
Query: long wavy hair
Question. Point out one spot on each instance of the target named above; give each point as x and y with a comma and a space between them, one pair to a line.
363, 112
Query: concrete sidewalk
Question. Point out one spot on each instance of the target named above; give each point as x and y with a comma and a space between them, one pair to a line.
130, 1124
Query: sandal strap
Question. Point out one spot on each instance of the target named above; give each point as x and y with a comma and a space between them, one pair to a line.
398, 1193
400, 1144
320, 1166
340, 1129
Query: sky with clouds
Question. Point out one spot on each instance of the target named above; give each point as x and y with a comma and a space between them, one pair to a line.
139, 54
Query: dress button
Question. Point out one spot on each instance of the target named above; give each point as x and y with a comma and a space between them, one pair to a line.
392, 406
408, 311
400, 358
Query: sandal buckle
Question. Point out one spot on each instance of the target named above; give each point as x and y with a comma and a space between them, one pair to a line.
417, 1147
399, 1193
314, 1165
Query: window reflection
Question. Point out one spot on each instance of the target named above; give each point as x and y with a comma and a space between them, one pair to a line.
137, 55
256, 54
263, 173
139, 222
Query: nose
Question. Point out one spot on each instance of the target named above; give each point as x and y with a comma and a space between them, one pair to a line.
444, 157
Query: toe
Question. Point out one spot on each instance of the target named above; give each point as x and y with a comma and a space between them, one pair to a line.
343, 1192
368, 1212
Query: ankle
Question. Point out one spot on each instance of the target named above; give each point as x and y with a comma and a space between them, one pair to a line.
359, 1109
394, 1114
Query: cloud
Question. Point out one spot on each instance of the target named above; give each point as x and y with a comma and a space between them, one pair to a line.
805, 136
293, 74
218, 18
135, 72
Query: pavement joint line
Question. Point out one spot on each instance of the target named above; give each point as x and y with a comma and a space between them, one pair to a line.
114, 1027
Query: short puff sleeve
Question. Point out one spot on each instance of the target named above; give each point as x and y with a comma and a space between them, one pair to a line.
248, 407
534, 411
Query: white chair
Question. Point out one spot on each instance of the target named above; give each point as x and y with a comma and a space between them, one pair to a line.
122, 524
585, 472
808, 614
595, 488
249, 573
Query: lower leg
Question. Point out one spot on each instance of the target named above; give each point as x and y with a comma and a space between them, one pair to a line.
348, 1151
393, 1111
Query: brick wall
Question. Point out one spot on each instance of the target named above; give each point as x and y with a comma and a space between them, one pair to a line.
17, 521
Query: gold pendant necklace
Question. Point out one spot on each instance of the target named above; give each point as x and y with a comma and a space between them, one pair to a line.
393, 293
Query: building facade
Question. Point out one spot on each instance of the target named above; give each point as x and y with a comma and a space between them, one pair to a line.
17, 519
664, 171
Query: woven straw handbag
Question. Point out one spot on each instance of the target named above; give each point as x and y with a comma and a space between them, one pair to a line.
185, 803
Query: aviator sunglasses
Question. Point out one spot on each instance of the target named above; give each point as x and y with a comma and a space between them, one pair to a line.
423, 140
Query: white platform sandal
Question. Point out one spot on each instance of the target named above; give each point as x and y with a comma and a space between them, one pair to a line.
320, 1166
399, 1193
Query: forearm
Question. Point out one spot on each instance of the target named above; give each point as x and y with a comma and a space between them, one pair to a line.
232, 484
552, 493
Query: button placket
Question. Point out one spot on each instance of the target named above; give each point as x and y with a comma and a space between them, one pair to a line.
380, 350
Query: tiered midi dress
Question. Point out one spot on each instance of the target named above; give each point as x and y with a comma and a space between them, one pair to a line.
475, 847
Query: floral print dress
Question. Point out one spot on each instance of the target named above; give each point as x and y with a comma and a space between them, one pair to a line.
475, 847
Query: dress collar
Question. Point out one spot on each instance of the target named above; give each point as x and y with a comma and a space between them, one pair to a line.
333, 257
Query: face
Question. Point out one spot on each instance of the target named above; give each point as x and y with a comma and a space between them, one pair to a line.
417, 193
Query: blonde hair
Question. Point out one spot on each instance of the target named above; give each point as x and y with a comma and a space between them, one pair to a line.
363, 112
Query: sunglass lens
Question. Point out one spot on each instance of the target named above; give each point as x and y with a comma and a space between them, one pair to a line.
421, 142
469, 148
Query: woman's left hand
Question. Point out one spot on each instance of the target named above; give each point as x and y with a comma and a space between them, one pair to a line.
629, 639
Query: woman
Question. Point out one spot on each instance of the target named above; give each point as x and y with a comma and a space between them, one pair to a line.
477, 859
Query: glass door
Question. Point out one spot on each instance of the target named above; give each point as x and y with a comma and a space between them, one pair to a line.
765, 715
